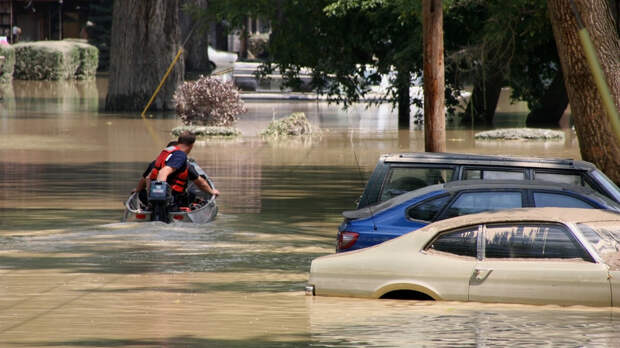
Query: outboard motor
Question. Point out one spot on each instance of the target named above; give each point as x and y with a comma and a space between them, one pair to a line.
158, 197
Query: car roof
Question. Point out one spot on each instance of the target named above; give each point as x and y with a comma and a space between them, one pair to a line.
459, 185
485, 160
557, 215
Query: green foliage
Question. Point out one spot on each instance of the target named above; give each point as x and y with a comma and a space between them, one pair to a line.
99, 34
349, 44
294, 125
8, 64
55, 60
206, 131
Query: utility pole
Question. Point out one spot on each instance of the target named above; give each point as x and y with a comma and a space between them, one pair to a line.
434, 81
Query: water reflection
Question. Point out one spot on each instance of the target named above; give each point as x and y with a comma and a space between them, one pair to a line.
77, 278
393, 323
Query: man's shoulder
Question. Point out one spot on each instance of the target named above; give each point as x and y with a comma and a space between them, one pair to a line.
177, 159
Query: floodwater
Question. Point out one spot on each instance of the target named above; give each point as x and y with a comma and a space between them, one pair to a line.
73, 276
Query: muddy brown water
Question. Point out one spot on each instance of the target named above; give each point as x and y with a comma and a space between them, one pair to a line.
73, 276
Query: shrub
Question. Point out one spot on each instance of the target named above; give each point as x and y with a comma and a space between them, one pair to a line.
206, 131
89, 60
208, 102
8, 65
521, 134
294, 125
55, 60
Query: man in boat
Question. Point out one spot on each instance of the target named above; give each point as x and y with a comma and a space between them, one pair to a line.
172, 167
143, 183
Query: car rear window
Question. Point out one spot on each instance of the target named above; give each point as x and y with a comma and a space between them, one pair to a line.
426, 211
405, 179
462, 243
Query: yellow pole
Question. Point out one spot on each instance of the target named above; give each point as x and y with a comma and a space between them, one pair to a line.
161, 83
599, 80
597, 73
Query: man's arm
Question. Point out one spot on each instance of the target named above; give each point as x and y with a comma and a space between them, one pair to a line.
163, 173
141, 185
204, 185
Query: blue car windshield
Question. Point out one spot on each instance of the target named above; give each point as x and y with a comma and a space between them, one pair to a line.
609, 185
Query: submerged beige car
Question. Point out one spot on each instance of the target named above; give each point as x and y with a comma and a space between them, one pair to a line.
532, 256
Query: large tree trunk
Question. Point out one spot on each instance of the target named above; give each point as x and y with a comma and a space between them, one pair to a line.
145, 40
434, 80
195, 49
597, 141
552, 105
484, 99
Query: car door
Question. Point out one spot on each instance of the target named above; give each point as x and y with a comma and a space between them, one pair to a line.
537, 263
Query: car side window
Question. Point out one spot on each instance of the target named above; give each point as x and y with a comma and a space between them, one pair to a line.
531, 241
401, 179
476, 202
492, 174
462, 242
564, 178
427, 210
546, 199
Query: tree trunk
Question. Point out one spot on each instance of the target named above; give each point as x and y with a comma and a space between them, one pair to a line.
615, 10
404, 100
434, 80
484, 99
195, 50
553, 104
145, 40
597, 140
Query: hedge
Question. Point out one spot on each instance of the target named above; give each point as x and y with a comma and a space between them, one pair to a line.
55, 60
6, 71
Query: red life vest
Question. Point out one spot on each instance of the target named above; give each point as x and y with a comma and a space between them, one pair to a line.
177, 180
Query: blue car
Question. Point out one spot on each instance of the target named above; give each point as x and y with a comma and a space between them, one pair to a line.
413, 210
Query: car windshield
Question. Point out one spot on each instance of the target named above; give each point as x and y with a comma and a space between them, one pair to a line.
605, 238
609, 185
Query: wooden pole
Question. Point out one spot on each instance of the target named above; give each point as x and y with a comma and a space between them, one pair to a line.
434, 81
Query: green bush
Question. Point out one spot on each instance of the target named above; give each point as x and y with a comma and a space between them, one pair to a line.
294, 125
89, 60
55, 60
207, 131
8, 65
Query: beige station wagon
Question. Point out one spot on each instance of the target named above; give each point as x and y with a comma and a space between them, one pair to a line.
558, 256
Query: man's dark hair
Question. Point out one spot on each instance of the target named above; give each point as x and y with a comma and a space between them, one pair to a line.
187, 138
172, 143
